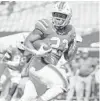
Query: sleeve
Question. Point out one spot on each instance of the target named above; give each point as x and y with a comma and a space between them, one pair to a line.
43, 25
37, 32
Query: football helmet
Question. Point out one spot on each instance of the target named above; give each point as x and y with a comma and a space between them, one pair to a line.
19, 45
62, 14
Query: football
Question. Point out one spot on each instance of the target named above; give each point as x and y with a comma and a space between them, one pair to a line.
37, 44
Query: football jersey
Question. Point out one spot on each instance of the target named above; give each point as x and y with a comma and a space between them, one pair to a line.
58, 40
15, 56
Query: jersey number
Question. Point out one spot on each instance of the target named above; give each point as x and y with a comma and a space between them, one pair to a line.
58, 42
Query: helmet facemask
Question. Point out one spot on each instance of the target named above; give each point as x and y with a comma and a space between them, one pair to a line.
59, 19
61, 15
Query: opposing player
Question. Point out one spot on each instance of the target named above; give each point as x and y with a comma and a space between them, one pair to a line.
50, 41
15, 64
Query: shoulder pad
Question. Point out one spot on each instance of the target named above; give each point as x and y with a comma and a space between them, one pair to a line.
42, 25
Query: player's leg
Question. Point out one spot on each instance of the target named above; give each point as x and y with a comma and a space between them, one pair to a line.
71, 88
88, 83
79, 87
21, 86
54, 82
14, 83
29, 92
2, 81
51, 93
11, 91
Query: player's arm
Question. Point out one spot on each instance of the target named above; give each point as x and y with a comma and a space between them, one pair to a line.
75, 39
29, 44
72, 49
36, 34
68, 55
32, 37
94, 66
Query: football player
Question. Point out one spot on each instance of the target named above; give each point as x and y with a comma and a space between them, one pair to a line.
49, 41
14, 65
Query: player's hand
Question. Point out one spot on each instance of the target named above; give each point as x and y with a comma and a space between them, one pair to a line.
33, 51
39, 52
42, 51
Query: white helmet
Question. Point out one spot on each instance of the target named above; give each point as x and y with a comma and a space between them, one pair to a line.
19, 45
62, 14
